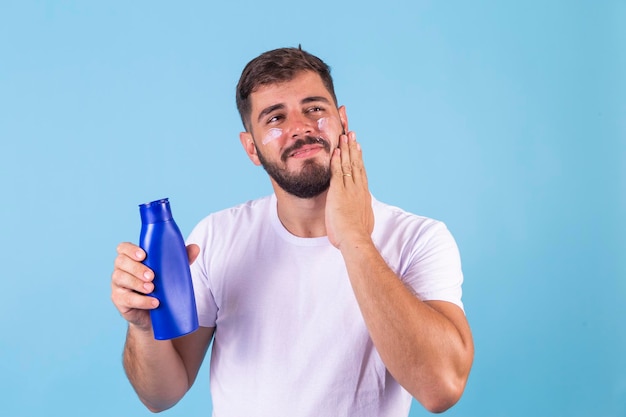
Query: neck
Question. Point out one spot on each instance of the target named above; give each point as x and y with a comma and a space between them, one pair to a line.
302, 217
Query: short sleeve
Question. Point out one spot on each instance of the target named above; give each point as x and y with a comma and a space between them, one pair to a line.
434, 270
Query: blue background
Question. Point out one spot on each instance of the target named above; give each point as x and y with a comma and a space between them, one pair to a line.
506, 121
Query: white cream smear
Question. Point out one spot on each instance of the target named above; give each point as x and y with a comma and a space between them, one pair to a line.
272, 134
322, 124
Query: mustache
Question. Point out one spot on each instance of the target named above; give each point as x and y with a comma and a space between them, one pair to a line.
307, 140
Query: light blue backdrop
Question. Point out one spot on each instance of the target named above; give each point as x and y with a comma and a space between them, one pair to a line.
506, 120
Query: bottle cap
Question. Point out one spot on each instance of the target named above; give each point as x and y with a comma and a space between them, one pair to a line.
155, 211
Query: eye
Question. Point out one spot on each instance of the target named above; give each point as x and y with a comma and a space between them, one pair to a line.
315, 109
274, 119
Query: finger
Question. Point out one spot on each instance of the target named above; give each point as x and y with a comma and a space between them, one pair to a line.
346, 164
124, 280
193, 251
126, 300
133, 267
356, 159
335, 165
131, 250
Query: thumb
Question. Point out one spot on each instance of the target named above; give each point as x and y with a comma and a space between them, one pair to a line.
192, 252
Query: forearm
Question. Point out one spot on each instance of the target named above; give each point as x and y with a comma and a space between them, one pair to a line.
155, 369
422, 348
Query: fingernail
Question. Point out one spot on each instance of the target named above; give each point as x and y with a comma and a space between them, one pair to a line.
147, 275
148, 287
139, 254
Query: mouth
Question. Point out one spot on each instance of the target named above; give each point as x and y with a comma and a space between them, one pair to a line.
306, 151
305, 148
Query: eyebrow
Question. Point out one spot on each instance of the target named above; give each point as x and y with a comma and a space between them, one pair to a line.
268, 110
314, 99
280, 106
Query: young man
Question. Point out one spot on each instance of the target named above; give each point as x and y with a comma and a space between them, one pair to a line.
321, 300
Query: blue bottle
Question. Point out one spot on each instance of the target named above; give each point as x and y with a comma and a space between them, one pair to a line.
164, 245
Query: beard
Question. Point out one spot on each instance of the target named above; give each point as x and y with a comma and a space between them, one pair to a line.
312, 180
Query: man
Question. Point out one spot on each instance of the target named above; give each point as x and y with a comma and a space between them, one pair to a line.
321, 300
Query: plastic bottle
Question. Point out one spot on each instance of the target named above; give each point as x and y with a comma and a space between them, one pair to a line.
164, 245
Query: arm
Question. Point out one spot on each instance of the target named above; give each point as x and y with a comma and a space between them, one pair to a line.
161, 371
426, 346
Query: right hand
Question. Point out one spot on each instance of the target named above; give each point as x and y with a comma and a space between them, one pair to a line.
131, 281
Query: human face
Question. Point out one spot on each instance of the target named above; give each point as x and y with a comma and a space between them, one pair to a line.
294, 126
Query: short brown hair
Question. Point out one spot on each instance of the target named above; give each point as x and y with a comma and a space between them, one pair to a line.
277, 66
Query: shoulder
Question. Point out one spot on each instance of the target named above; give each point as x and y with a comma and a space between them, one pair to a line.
393, 220
421, 251
248, 210
242, 215
403, 236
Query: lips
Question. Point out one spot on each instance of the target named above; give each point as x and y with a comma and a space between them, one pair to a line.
305, 151
303, 148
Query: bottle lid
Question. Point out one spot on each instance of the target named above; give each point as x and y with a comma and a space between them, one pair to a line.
155, 211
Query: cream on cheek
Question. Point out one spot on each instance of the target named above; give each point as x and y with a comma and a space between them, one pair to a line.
271, 135
325, 126
322, 125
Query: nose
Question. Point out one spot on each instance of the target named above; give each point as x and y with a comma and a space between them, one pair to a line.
301, 126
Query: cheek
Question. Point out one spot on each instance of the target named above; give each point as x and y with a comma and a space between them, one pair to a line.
329, 127
322, 125
272, 135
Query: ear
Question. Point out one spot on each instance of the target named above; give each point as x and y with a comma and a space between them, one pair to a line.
250, 147
344, 118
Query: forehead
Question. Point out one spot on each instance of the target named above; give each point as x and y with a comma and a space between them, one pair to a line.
303, 85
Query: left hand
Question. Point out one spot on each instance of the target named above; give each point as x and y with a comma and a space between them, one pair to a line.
349, 215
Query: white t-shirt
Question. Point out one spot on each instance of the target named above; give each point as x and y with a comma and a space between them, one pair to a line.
289, 337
